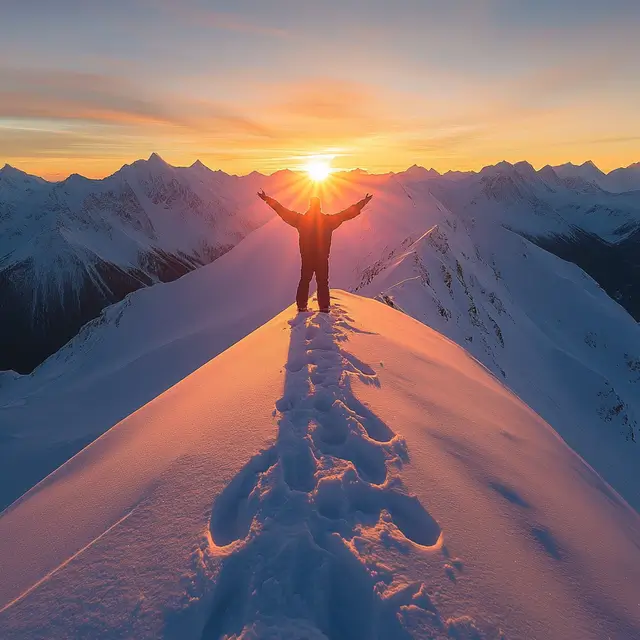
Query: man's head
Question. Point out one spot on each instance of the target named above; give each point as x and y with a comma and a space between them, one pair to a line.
314, 205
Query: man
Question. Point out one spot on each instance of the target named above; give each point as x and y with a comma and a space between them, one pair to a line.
315, 229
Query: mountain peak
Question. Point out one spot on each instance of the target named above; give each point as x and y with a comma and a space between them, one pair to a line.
75, 178
524, 167
156, 160
417, 171
594, 170
8, 170
549, 172
500, 167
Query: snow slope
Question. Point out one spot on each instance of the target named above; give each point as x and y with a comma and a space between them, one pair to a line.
158, 335
542, 325
69, 249
348, 476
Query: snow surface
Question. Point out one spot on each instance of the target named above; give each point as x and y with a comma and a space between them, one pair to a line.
542, 325
353, 475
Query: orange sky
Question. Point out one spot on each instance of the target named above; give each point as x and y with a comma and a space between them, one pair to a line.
85, 87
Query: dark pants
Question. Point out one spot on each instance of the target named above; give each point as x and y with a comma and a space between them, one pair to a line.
320, 266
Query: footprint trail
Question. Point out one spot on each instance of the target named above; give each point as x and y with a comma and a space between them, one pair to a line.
296, 527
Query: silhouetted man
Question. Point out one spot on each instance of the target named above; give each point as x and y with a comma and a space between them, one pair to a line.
315, 229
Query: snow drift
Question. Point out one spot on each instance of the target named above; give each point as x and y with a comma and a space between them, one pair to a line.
348, 476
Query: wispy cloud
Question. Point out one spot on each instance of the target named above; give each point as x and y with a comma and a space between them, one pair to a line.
328, 99
225, 20
111, 100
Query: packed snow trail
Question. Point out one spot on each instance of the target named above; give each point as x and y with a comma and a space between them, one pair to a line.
327, 477
305, 510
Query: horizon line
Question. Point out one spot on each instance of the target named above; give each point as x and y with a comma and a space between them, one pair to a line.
158, 157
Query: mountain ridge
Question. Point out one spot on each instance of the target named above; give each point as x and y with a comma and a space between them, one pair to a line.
588, 165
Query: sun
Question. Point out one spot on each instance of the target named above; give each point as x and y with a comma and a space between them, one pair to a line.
318, 170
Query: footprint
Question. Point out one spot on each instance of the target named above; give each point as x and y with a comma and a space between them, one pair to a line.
329, 431
225, 619
412, 519
368, 458
330, 498
312, 331
287, 402
323, 400
295, 363
231, 516
299, 468
358, 366
376, 429
323, 342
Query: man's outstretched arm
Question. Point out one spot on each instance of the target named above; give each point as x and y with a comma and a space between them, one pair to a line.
290, 217
351, 212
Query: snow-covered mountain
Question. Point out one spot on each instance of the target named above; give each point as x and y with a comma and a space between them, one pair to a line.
542, 325
575, 219
625, 178
70, 248
416, 173
348, 476
616, 181
586, 171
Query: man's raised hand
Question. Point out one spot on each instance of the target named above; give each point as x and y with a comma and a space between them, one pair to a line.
262, 195
365, 201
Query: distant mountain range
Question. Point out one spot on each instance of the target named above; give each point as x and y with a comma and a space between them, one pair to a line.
569, 174
68, 249
616, 181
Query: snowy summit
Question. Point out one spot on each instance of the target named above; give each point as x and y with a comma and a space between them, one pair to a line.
353, 475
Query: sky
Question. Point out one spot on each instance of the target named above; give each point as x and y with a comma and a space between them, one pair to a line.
88, 85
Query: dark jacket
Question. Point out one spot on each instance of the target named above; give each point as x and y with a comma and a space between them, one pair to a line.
314, 229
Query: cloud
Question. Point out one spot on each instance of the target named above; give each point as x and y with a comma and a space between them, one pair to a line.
212, 19
325, 111
30, 143
328, 99
452, 139
615, 140
588, 142
110, 100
